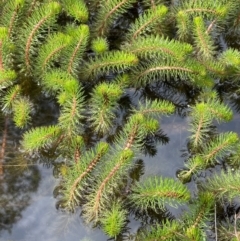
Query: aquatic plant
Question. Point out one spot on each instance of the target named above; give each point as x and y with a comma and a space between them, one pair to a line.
86, 56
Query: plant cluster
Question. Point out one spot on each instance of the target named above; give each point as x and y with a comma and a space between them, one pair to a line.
87, 55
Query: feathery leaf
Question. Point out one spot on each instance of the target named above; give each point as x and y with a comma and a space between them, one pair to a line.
99, 45
76, 9
50, 51
6, 78
73, 54
156, 192
107, 181
103, 103
40, 137
203, 41
189, 71
146, 22
152, 46
109, 11
224, 185
114, 61
10, 15
168, 231
75, 178
9, 98
22, 108
155, 108
55, 81
72, 101
113, 220
217, 148
220, 146
32, 30
199, 212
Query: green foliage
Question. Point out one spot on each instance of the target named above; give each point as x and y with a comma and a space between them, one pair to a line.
6, 47
234, 158
100, 45
73, 54
72, 101
220, 146
50, 51
224, 185
153, 3
10, 14
109, 178
22, 109
200, 123
193, 165
114, 220
189, 70
230, 57
108, 12
166, 231
102, 106
203, 114
199, 212
108, 67
77, 9
40, 137
3, 33
156, 46
155, 107
44, 17
114, 61
191, 226
216, 13
218, 110
183, 24
203, 41
209, 10
6, 78
147, 22
56, 81
156, 192
216, 149
9, 98
75, 178
137, 127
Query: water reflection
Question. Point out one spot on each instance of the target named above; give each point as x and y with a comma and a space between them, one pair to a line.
16, 186
41, 221
26, 194
33, 216
18, 178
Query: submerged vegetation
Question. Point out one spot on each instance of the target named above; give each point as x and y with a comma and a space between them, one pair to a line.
87, 56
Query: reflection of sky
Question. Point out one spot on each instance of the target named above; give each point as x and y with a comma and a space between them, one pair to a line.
168, 159
42, 222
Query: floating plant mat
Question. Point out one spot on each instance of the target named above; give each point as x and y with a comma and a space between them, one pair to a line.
119, 119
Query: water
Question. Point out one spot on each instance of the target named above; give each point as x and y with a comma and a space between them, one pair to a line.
40, 220
28, 208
